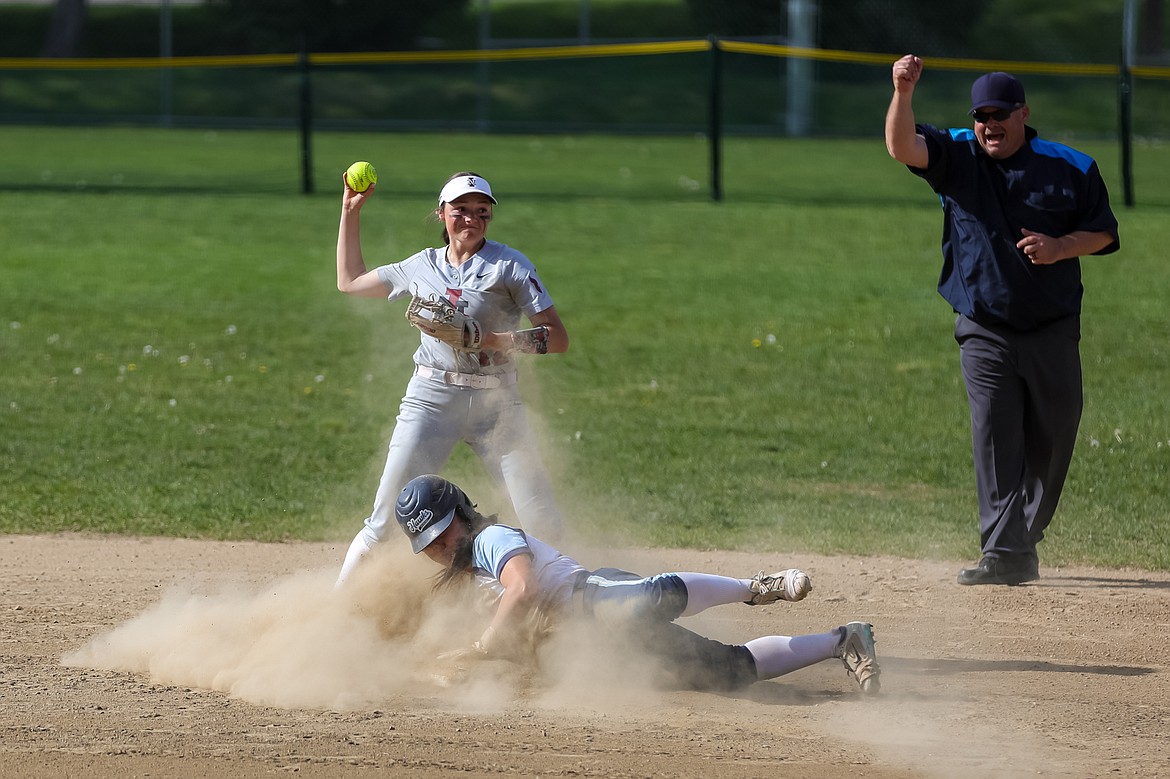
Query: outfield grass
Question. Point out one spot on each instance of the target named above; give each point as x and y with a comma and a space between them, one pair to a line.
772, 372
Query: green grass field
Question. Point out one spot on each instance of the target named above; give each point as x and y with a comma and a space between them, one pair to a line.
773, 372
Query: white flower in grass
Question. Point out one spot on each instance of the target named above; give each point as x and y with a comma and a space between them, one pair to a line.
172, 402
319, 378
230, 330
77, 371
147, 350
53, 339
184, 359
14, 325
1093, 442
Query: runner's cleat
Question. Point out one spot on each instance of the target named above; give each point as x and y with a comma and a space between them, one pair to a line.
791, 585
859, 657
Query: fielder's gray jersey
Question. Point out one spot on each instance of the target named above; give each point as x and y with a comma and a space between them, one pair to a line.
495, 286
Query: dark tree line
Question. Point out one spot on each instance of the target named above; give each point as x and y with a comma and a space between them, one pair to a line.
268, 26
1087, 30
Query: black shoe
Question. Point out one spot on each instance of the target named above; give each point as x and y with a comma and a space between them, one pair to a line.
1013, 570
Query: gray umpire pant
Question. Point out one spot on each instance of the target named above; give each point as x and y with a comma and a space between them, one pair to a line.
1025, 395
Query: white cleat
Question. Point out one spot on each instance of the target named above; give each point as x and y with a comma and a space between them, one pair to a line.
791, 585
859, 657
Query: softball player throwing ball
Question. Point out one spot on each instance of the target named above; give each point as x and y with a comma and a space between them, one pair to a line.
467, 299
536, 587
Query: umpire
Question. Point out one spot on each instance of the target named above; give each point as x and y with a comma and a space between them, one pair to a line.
1018, 213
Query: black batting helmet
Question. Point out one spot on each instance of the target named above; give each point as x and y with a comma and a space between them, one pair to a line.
426, 507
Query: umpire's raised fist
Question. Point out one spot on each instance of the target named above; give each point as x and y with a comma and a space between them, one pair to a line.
906, 72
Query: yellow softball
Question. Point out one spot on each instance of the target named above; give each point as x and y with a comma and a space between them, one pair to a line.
360, 176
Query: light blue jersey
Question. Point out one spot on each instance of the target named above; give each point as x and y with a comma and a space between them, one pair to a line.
556, 574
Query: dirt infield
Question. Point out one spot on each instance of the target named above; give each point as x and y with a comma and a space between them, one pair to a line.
171, 658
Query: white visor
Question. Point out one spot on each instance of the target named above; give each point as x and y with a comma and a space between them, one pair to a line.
464, 185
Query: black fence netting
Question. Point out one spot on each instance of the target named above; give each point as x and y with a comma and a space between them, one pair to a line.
678, 88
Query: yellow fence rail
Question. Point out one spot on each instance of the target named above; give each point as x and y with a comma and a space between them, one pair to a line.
569, 52
716, 47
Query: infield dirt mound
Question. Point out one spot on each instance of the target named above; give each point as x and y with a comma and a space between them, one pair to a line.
177, 658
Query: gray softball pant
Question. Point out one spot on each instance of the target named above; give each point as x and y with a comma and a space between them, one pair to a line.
432, 418
640, 612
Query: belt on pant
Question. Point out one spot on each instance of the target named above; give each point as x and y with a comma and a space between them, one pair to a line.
473, 380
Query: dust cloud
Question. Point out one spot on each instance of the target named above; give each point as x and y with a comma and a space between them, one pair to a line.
298, 643
295, 642
586, 669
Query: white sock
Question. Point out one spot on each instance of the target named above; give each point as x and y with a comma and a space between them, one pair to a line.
778, 655
705, 590
358, 548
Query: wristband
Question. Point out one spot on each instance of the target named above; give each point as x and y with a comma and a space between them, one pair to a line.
531, 341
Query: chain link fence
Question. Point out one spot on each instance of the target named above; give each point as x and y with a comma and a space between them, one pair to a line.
809, 70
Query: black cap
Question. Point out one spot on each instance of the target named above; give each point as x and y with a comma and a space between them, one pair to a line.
1001, 90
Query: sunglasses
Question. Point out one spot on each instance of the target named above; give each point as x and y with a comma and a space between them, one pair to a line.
999, 115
